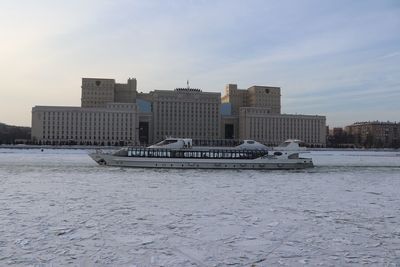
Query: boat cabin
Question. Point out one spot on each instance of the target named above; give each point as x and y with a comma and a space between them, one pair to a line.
291, 145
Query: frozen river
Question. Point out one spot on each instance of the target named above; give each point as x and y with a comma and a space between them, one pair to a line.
58, 207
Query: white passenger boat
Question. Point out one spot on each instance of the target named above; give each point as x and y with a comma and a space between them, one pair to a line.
179, 153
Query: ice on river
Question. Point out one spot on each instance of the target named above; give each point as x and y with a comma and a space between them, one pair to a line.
58, 207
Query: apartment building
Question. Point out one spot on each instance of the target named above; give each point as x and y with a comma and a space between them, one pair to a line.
375, 133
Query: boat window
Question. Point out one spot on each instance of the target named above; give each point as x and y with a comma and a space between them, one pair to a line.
250, 142
277, 153
178, 154
213, 154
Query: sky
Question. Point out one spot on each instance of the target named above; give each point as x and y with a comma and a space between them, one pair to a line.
337, 58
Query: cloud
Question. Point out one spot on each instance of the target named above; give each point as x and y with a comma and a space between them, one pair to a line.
394, 54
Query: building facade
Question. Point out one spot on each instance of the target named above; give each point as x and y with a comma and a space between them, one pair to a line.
115, 124
97, 92
375, 133
259, 124
255, 113
267, 97
185, 112
108, 116
114, 113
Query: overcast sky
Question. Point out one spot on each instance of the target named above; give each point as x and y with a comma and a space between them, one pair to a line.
338, 58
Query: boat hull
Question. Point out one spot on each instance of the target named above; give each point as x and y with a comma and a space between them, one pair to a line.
184, 163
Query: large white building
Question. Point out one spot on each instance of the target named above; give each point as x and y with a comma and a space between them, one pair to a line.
108, 116
115, 124
186, 112
256, 96
114, 113
255, 113
271, 129
98, 92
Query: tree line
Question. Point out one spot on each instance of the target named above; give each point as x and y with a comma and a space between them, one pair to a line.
11, 134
